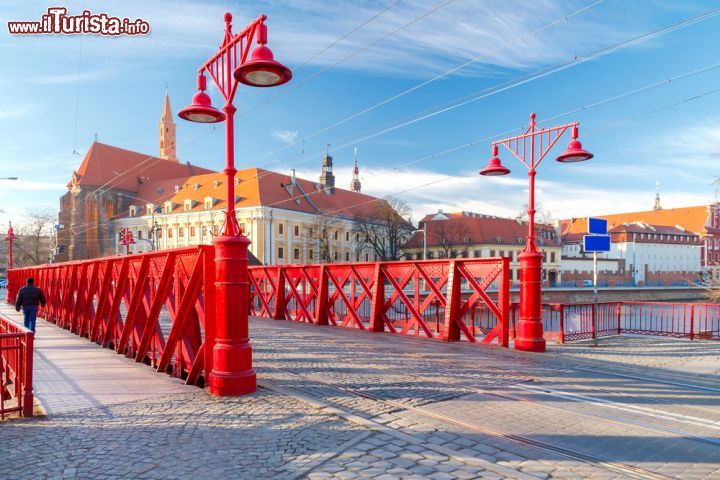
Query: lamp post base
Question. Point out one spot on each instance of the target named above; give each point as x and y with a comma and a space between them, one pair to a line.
232, 372
529, 328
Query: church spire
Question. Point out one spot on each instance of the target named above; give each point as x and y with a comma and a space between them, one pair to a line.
657, 196
327, 178
355, 183
167, 132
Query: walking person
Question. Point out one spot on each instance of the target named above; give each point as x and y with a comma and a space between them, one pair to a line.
29, 297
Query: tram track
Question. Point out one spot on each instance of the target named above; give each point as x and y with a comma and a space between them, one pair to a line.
575, 455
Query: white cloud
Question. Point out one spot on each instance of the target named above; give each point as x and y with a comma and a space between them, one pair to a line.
70, 78
497, 32
286, 136
427, 192
16, 111
33, 185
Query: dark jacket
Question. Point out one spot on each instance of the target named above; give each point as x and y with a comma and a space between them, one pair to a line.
29, 296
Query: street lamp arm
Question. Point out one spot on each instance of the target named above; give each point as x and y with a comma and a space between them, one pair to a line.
234, 55
547, 138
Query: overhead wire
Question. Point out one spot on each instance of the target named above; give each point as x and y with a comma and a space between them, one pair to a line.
541, 73
508, 85
415, 20
564, 18
356, 52
487, 138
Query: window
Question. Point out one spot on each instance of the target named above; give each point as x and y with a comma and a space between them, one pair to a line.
296, 254
336, 256
552, 257
335, 237
159, 234
281, 253
478, 254
347, 236
492, 253
139, 234
187, 206
169, 232
297, 230
347, 256
357, 237
208, 204
215, 229
192, 232
357, 257
133, 210
281, 228
367, 257
310, 232
311, 254
181, 232
204, 231
430, 255
242, 227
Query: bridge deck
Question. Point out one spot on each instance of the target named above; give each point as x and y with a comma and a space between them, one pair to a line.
72, 373
335, 403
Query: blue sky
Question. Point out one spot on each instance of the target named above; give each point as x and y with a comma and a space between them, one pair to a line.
117, 84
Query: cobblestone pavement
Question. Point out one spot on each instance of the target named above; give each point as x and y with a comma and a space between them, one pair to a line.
523, 411
695, 357
343, 404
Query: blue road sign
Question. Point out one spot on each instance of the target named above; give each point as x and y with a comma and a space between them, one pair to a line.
597, 226
596, 243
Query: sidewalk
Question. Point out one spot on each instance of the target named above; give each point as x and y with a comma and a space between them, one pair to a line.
72, 373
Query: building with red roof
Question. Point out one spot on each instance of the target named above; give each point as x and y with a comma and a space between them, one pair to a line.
169, 204
703, 221
473, 235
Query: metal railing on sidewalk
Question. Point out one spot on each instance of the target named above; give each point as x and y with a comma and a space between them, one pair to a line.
16, 369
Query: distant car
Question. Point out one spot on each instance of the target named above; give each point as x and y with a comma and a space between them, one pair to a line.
3, 283
587, 283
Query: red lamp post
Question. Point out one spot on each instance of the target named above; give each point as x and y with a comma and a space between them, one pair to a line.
10, 238
232, 372
127, 239
536, 144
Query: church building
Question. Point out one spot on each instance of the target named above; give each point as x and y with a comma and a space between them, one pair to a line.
168, 204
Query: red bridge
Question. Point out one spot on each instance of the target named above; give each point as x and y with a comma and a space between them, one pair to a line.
163, 309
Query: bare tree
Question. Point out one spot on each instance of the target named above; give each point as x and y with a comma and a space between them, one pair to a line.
384, 228
542, 216
319, 236
450, 235
34, 242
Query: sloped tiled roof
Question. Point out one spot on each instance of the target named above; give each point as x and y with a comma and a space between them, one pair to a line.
692, 219
105, 165
256, 187
479, 230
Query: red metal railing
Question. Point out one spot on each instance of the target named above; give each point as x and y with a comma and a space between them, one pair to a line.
440, 299
157, 308
568, 322
16, 369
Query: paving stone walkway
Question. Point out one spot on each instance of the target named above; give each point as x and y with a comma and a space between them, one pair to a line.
342, 404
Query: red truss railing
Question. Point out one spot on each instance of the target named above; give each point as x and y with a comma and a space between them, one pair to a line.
157, 308
16, 369
581, 321
440, 299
